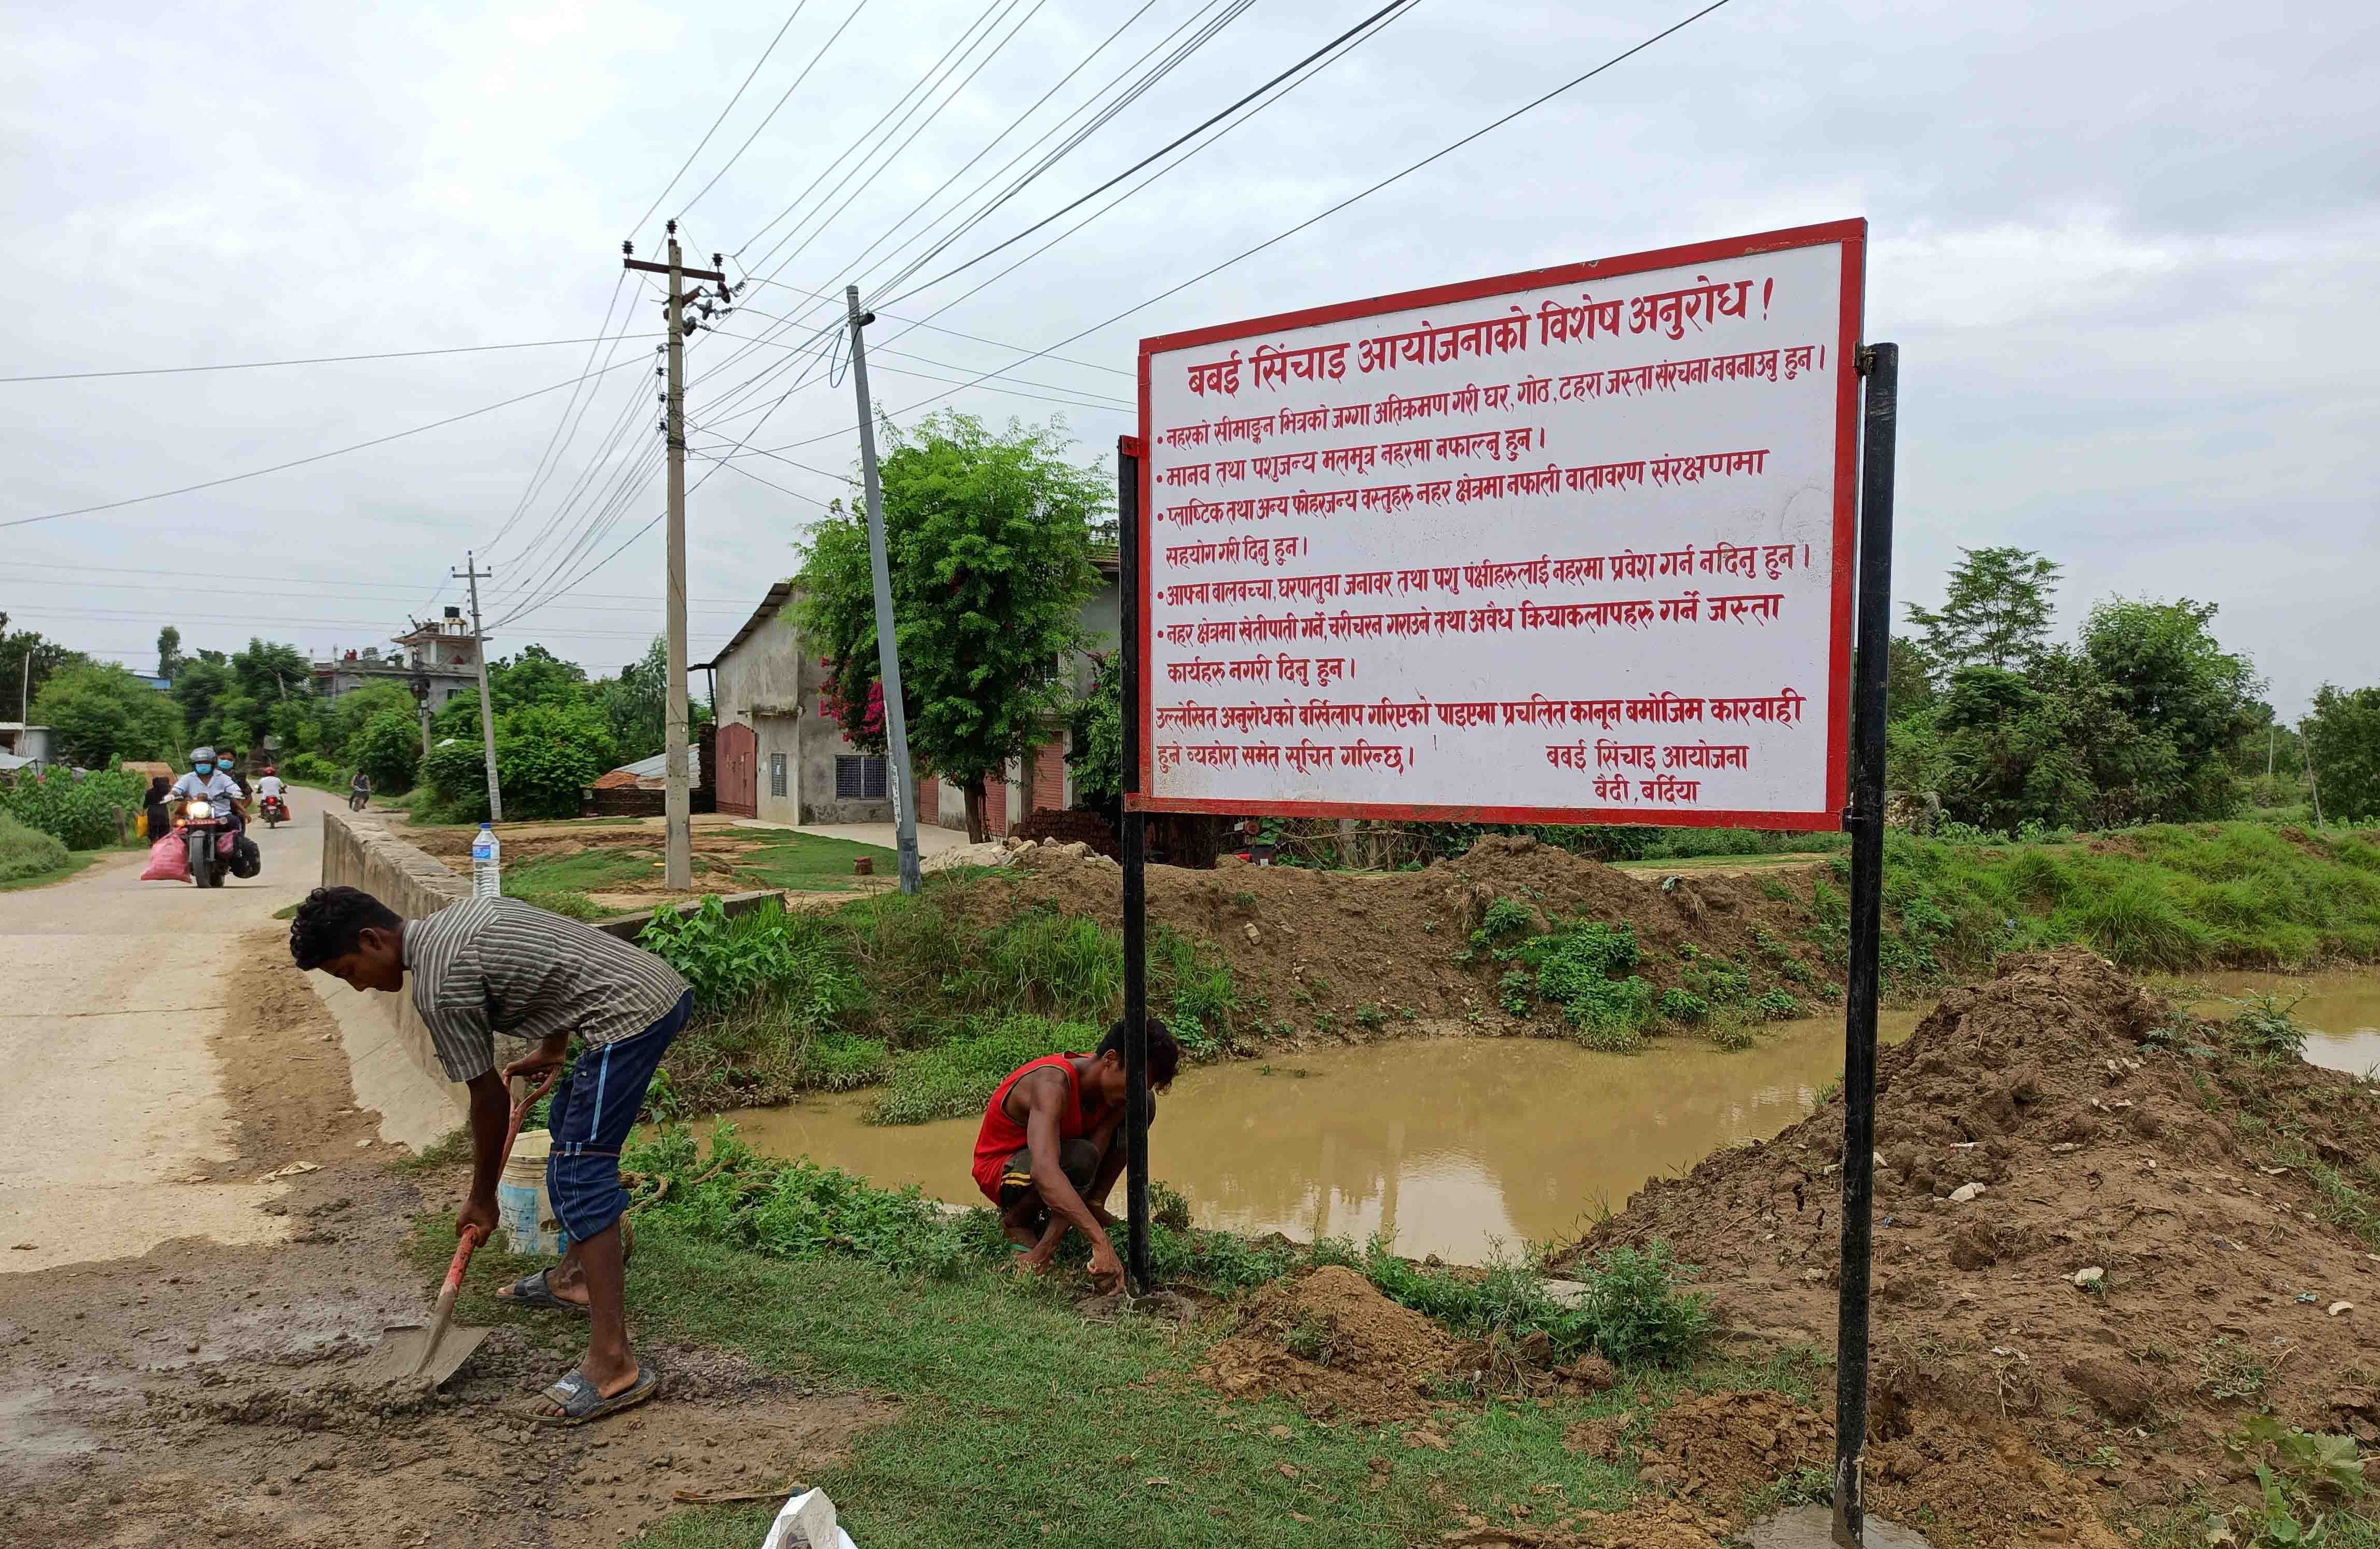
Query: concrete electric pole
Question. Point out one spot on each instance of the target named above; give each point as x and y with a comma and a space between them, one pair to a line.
888, 650
677, 871
474, 574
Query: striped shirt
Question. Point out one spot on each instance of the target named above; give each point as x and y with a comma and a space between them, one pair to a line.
492, 965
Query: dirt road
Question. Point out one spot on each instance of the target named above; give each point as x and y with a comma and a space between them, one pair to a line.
115, 987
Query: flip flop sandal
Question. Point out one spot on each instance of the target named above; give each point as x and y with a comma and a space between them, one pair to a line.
581, 1402
531, 1290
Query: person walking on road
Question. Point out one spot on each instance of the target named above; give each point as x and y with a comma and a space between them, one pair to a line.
494, 965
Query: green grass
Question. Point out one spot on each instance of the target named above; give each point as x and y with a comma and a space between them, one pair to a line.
952, 1080
809, 863
77, 861
1022, 1424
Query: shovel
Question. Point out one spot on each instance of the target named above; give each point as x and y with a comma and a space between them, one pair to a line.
413, 1353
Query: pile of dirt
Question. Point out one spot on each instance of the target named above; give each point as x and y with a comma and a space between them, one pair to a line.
1330, 1343
1719, 1449
1313, 951
2100, 1239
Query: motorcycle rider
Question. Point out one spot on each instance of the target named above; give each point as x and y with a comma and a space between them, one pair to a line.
268, 788
208, 780
360, 791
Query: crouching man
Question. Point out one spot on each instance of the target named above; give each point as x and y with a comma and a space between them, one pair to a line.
498, 965
1053, 1142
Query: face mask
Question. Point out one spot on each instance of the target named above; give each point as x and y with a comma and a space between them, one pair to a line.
202, 769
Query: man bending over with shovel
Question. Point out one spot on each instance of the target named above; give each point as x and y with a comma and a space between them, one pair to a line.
494, 965
1053, 1141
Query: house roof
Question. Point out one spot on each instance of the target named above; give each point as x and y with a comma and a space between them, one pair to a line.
655, 768
770, 606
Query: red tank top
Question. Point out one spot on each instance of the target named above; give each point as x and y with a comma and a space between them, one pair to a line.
1002, 1137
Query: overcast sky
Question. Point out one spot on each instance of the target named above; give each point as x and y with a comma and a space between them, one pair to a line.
2128, 250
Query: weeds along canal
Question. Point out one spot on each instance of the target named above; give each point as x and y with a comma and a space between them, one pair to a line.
1458, 1145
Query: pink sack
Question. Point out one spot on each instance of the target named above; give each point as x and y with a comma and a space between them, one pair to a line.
168, 862
226, 843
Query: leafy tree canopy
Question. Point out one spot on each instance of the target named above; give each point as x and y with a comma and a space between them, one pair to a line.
2344, 736
1995, 612
989, 539
100, 715
26, 662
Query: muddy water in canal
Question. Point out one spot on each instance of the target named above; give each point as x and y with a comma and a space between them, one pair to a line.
1455, 1145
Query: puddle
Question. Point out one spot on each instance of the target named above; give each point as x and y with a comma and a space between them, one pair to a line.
1452, 1144
29, 1431
2342, 1011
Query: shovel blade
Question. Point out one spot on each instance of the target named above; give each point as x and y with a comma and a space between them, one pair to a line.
405, 1355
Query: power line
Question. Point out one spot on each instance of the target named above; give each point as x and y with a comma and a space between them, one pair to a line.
771, 114
299, 462
1314, 220
310, 581
936, 328
1335, 44
537, 475
316, 359
691, 155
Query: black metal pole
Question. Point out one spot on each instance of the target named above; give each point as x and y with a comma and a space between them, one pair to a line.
1136, 899
1873, 643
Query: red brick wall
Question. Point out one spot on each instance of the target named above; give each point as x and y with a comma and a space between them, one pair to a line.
1048, 786
995, 807
929, 799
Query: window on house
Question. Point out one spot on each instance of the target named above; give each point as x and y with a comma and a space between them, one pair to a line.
859, 778
776, 774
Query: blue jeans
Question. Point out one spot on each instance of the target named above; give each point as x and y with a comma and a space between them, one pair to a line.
594, 1107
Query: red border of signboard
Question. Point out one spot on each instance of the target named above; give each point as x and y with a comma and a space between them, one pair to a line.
1852, 236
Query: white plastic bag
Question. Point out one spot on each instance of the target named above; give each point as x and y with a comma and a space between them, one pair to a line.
806, 1521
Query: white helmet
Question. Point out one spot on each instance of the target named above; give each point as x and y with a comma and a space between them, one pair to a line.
203, 756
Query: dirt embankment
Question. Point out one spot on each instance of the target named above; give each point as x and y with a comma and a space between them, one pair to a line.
2135, 1273
1314, 948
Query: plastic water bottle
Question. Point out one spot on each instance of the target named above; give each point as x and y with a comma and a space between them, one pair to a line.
487, 870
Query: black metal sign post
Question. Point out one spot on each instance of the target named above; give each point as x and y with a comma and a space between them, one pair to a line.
1872, 636
1135, 901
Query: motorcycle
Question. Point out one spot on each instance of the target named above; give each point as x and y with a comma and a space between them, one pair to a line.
216, 845
275, 811
356, 800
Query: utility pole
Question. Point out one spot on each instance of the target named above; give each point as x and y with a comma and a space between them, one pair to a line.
474, 574
677, 869
888, 648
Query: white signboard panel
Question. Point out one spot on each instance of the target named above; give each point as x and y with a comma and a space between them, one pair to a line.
1569, 545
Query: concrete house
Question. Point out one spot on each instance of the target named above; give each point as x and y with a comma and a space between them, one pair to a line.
783, 758
443, 651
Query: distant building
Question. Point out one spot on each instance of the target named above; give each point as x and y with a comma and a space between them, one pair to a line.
26, 746
783, 758
443, 650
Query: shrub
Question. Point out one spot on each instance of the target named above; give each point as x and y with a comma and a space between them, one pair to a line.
1680, 1005
79, 812
1635, 1309
727, 960
1513, 993
1778, 1005
310, 769
1641, 1313
2263, 1028
957, 1078
27, 852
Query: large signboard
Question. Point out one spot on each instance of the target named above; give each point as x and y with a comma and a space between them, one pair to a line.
1568, 546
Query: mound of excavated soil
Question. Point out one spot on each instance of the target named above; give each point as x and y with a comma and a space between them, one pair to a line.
2106, 1134
1330, 1342
1304, 946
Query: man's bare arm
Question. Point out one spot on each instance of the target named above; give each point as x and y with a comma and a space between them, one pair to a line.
1043, 1099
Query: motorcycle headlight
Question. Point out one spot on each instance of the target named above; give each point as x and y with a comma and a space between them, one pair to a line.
201, 809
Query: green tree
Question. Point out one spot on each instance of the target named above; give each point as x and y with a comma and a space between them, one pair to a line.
1908, 679
101, 715
201, 689
26, 662
546, 757
1995, 612
2343, 734
988, 541
2187, 696
635, 704
169, 652
1095, 741
387, 747
536, 676
345, 717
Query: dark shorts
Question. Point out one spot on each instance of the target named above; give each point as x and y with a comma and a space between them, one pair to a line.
594, 1107
1079, 1159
